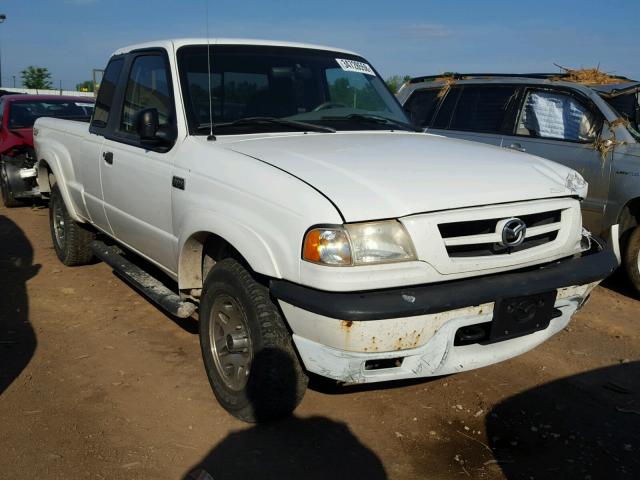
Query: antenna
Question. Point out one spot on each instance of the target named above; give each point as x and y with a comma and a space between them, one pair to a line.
211, 136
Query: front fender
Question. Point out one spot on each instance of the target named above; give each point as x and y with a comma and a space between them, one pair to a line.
197, 224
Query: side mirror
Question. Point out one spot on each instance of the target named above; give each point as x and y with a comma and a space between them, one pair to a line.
147, 124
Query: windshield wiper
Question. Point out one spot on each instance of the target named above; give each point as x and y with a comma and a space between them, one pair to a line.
303, 126
372, 118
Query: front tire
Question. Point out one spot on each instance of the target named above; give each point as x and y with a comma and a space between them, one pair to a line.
71, 241
247, 350
632, 259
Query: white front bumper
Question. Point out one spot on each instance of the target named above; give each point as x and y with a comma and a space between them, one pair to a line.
422, 346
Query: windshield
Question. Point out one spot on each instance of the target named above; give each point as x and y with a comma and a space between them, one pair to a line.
23, 114
252, 87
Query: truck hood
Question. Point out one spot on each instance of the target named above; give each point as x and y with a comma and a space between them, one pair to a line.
380, 175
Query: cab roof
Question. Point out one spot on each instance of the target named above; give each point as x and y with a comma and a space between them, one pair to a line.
170, 44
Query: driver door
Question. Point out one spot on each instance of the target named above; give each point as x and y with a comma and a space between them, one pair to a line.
136, 177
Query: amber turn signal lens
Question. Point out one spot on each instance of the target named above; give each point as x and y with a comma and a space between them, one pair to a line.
312, 246
327, 246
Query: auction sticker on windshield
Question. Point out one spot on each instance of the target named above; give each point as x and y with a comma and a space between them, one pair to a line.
355, 66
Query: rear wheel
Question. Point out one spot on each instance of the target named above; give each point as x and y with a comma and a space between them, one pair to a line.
632, 259
71, 240
8, 199
247, 350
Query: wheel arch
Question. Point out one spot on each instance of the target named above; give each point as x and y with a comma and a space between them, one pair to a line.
200, 250
49, 174
45, 175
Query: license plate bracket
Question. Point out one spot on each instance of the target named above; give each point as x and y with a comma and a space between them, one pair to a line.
518, 316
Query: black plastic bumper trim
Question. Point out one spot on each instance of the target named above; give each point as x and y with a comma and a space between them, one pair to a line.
591, 266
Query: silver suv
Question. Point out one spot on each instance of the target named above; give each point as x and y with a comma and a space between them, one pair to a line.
590, 128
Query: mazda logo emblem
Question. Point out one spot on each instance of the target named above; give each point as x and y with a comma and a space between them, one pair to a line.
513, 232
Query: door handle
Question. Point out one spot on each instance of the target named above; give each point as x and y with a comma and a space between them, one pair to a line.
108, 157
518, 147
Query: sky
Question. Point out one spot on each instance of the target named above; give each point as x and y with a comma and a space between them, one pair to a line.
411, 37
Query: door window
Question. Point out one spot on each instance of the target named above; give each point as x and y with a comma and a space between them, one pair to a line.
147, 87
483, 108
421, 106
559, 116
106, 93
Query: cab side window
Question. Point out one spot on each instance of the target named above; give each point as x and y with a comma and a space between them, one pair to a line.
106, 93
421, 106
558, 116
147, 87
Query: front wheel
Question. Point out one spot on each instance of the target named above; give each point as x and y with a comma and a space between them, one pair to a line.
247, 350
632, 259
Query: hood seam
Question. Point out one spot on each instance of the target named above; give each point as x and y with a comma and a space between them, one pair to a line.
296, 177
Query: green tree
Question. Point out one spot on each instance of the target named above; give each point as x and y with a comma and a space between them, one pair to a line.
36, 77
86, 86
394, 83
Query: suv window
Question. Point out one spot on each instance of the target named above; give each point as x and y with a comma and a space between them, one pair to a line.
106, 93
443, 117
421, 106
557, 115
147, 87
482, 108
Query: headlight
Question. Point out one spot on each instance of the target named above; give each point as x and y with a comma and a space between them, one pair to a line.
359, 244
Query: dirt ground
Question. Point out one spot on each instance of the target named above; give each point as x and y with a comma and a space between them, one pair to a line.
95, 382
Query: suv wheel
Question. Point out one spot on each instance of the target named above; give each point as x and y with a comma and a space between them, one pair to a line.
71, 241
632, 259
247, 350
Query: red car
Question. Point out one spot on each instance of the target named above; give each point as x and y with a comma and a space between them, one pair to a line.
17, 157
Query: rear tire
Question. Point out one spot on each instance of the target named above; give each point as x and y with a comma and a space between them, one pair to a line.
247, 350
631, 259
7, 195
71, 240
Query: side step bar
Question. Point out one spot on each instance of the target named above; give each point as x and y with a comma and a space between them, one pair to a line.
149, 286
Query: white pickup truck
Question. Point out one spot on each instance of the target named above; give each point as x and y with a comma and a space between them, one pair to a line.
286, 198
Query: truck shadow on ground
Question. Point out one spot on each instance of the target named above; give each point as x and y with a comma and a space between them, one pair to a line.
292, 448
17, 338
579, 427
